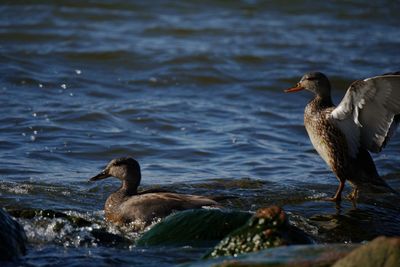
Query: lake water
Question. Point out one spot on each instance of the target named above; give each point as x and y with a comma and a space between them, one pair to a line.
193, 91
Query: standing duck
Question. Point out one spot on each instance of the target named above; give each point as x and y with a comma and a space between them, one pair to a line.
126, 205
365, 120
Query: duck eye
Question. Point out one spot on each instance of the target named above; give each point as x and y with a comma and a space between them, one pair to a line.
311, 78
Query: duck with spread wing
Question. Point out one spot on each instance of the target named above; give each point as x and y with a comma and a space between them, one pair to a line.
365, 120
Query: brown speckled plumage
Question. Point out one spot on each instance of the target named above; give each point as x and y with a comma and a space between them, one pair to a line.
126, 205
328, 140
331, 142
325, 135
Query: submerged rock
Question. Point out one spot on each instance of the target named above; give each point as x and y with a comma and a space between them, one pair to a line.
12, 237
380, 252
68, 229
31, 213
105, 238
267, 228
194, 227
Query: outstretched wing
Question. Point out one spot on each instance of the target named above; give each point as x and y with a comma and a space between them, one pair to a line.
373, 105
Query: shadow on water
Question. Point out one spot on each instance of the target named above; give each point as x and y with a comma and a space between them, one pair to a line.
371, 216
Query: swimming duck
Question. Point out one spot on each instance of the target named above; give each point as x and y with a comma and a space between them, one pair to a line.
365, 120
128, 205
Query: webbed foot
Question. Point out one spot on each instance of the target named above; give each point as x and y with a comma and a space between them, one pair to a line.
353, 195
336, 199
338, 195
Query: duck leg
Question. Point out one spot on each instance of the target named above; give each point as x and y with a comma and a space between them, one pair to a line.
354, 194
338, 195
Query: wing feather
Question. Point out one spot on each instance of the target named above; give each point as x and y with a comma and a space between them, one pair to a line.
352, 133
372, 104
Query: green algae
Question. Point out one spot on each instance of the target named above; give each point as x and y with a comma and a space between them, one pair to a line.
266, 229
194, 227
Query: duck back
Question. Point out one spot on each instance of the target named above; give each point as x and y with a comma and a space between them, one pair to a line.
147, 207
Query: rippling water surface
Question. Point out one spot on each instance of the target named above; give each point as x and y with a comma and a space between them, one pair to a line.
193, 91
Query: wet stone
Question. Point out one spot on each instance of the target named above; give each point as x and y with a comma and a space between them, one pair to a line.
51, 214
287, 256
194, 227
12, 237
268, 228
79, 231
108, 239
382, 251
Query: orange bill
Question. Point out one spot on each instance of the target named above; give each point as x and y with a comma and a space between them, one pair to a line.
294, 89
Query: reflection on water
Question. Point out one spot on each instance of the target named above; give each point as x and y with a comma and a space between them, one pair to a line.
193, 90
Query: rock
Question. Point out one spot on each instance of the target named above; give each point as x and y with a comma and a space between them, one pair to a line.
380, 252
194, 227
287, 256
66, 227
266, 229
12, 237
105, 238
31, 213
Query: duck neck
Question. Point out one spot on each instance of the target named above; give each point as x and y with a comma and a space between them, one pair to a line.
130, 184
129, 188
323, 101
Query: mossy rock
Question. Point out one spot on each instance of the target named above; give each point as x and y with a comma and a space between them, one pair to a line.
195, 227
266, 229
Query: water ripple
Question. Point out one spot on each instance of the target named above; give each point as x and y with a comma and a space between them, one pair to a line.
193, 90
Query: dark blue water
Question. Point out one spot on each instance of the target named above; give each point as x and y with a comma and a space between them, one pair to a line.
193, 91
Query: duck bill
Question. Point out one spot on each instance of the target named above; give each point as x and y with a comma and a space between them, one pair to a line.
294, 89
100, 176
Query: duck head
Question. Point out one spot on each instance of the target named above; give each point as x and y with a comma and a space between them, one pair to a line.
315, 82
125, 169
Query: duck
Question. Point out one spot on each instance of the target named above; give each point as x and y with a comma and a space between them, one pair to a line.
344, 135
126, 205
